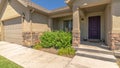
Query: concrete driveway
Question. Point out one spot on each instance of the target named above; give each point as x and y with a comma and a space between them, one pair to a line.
30, 58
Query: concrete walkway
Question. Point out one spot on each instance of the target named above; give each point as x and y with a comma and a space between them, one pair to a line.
95, 56
30, 58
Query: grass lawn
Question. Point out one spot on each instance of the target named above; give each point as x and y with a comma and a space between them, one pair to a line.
5, 63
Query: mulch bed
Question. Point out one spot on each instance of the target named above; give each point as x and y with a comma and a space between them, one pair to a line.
50, 50
53, 51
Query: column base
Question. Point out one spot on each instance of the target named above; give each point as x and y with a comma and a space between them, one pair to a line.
115, 41
31, 41
76, 39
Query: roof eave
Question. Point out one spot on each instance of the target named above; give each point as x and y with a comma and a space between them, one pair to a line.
23, 2
33, 5
69, 2
38, 7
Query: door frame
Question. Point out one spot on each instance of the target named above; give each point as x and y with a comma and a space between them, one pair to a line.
99, 38
102, 24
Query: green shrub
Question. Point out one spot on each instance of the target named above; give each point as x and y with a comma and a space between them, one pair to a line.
68, 51
57, 39
37, 46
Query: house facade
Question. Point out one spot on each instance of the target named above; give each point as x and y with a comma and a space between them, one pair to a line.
22, 21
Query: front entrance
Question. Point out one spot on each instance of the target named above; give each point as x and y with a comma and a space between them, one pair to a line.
94, 27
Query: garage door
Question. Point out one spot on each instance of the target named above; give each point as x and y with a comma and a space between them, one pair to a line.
13, 31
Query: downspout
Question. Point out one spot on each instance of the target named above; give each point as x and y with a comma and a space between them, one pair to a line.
31, 32
22, 19
31, 11
2, 32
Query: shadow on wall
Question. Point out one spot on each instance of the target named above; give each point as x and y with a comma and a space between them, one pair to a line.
20, 9
116, 8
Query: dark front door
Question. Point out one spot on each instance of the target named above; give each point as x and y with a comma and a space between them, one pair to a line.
94, 27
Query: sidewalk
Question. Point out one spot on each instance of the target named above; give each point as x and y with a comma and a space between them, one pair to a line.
30, 58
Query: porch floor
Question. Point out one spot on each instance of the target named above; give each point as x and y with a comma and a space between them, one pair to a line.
93, 55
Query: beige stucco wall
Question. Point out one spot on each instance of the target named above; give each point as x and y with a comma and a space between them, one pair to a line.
39, 22
116, 16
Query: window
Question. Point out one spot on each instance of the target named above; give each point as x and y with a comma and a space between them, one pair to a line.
68, 25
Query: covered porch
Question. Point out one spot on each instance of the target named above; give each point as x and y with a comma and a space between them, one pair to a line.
87, 24
92, 24
92, 21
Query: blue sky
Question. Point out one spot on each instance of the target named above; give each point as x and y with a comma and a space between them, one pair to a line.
50, 4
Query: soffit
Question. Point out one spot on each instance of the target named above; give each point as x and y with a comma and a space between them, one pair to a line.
95, 8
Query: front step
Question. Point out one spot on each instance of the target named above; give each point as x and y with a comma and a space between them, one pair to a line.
93, 57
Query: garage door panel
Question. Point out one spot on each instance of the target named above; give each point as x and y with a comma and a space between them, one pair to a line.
14, 36
13, 30
10, 38
12, 27
13, 39
17, 27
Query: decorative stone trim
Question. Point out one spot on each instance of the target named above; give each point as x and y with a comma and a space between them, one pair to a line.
115, 41
76, 38
31, 39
